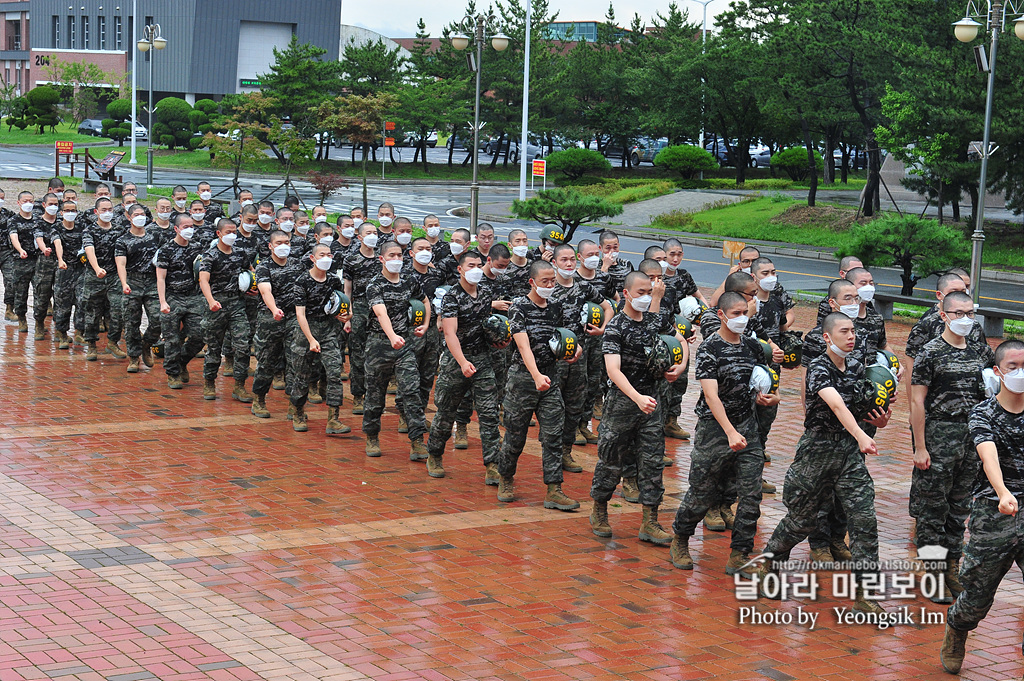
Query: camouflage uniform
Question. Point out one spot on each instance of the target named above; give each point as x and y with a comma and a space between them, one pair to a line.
626, 433
617, 274
46, 270
7, 256
427, 348
140, 252
523, 400
273, 339
940, 496
453, 388
572, 378
188, 307
930, 326
712, 463
313, 295
828, 461
518, 279
230, 321
359, 269
496, 289
592, 354
383, 361
682, 285
23, 269
98, 293
67, 284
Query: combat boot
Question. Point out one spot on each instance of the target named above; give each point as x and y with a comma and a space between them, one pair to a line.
461, 440
174, 383
147, 356
291, 412
651, 530
713, 520
259, 407
580, 440
667, 461
334, 424
840, 551
314, 396
556, 498
403, 427
821, 556
90, 352
299, 424
9, 315
240, 392
372, 446
599, 519
133, 365
209, 389
184, 375
79, 339
679, 553
279, 381
229, 366
954, 647
491, 475
673, 430
22, 324
418, 450
568, 463
728, 517
506, 489
953, 577
40, 331
767, 487
861, 603
739, 562
434, 467
116, 351
62, 340
357, 405
942, 595
588, 435
393, 386
630, 492
598, 410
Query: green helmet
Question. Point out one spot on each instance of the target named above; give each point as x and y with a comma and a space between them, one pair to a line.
764, 380
766, 348
665, 353
158, 350
889, 360
792, 349
497, 330
196, 264
685, 326
247, 283
882, 376
873, 393
337, 304
592, 314
692, 308
553, 234
417, 312
563, 344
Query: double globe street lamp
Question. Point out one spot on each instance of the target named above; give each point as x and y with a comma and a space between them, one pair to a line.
150, 39
476, 30
997, 18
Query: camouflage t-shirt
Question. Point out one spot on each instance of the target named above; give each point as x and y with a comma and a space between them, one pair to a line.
989, 422
313, 295
682, 283
539, 324
395, 296
470, 313
572, 299
249, 246
178, 261
771, 314
224, 269
360, 269
870, 339
930, 326
25, 229
519, 279
103, 241
953, 378
632, 341
601, 281
498, 288
138, 251
730, 365
823, 373
428, 281
282, 280
70, 240
44, 231
617, 274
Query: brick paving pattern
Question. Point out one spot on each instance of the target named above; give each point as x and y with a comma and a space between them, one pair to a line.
148, 534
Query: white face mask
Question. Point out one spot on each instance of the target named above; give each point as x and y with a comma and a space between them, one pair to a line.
187, 233
852, 310
198, 217
745, 270
370, 240
385, 221
499, 270
247, 202
327, 240
26, 207
206, 196
139, 220
961, 327
768, 283
664, 266
593, 262
737, 324
404, 238
565, 274
475, 275
52, 210
70, 216
393, 266
302, 229
324, 264
106, 217
348, 232
356, 222
457, 248
1013, 381
433, 232
866, 293
282, 250
265, 219
423, 257
286, 226
520, 251
545, 293
615, 255
180, 203
835, 348
163, 216
641, 303
320, 218
229, 239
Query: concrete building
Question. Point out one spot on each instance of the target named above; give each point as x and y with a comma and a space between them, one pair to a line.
14, 52
359, 36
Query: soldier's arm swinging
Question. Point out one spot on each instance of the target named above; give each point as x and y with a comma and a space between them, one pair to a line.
918, 393
161, 289
613, 365
397, 342
990, 463
450, 327
523, 344
835, 402
300, 317
710, 388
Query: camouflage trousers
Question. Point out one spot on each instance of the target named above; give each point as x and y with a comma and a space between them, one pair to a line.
766, 415
357, 347
143, 296
426, 348
500, 358
7, 268
182, 329
672, 395
383, 362
454, 389
572, 380
522, 401
940, 497
227, 326
712, 462
596, 376
628, 434
305, 364
42, 287
252, 307
99, 295
37, 272
273, 341
995, 544
67, 286
831, 522
827, 464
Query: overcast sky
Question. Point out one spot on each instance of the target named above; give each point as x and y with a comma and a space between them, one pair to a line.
397, 18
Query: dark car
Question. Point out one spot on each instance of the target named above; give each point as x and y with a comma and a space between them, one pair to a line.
646, 149
460, 140
91, 126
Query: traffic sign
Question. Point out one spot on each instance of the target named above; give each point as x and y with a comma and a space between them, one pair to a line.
389, 141
731, 249
64, 147
389, 125
540, 168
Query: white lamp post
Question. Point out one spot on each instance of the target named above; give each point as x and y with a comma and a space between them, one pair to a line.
150, 39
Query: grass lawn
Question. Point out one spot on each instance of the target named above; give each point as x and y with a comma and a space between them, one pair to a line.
66, 132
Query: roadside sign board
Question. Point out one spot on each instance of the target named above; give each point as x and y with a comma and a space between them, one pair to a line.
540, 168
389, 125
389, 141
108, 163
731, 249
64, 147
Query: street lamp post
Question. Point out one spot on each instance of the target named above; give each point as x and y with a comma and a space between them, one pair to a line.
479, 26
703, 43
135, 99
150, 39
966, 30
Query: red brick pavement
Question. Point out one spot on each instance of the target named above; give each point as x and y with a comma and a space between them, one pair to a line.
146, 533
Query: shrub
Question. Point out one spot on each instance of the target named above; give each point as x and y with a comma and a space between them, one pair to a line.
575, 163
794, 162
564, 207
685, 159
172, 114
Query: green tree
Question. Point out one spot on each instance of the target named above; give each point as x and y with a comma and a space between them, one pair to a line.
371, 67
685, 159
574, 163
425, 105
117, 125
794, 162
42, 108
172, 127
239, 142
919, 247
566, 208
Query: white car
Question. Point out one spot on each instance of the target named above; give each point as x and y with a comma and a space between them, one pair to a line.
140, 131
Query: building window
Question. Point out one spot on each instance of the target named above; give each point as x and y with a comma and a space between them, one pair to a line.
55, 32
118, 38
85, 33
101, 30
71, 34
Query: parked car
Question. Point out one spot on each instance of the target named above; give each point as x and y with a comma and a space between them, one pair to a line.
720, 151
533, 150
140, 131
760, 156
646, 149
857, 158
460, 140
91, 126
412, 139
